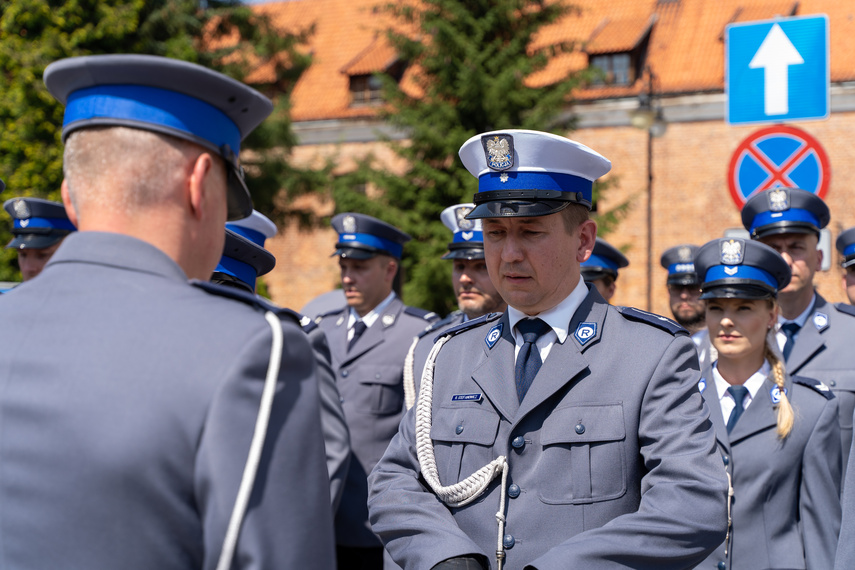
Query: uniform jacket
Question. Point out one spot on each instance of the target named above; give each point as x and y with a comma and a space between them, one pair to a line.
846, 545
128, 400
786, 505
824, 350
615, 463
425, 340
370, 381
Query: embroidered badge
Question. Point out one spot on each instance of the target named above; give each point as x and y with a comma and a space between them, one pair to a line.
339, 321
21, 209
779, 200
730, 270
702, 385
304, 320
503, 177
25, 223
467, 235
775, 393
388, 320
684, 254
732, 251
462, 222
822, 387
820, 321
585, 332
499, 151
493, 336
348, 224
467, 398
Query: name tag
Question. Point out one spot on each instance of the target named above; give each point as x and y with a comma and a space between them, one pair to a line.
466, 398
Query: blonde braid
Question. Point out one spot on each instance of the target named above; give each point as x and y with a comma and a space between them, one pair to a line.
785, 410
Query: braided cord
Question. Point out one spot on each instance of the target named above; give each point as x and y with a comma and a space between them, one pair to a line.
410, 376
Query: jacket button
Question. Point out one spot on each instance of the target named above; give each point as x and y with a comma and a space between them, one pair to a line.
725, 459
722, 565
514, 491
344, 373
833, 383
508, 541
458, 430
580, 429
518, 442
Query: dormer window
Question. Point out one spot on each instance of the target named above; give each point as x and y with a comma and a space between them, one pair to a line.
366, 86
618, 48
616, 68
365, 90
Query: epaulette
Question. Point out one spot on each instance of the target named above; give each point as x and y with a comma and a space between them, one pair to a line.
469, 324
307, 323
440, 323
421, 313
329, 313
245, 297
658, 321
845, 308
816, 385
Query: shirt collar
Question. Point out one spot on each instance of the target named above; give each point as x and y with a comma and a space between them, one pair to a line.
373, 314
801, 319
559, 316
754, 382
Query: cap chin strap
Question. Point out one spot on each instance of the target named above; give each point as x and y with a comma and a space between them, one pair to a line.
472, 487
251, 468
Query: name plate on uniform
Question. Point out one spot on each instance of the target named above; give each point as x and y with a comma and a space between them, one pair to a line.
466, 398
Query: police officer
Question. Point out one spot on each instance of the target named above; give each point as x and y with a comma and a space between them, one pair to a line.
39, 227
244, 260
601, 269
155, 424
577, 439
814, 335
369, 338
476, 294
778, 435
846, 546
846, 246
684, 292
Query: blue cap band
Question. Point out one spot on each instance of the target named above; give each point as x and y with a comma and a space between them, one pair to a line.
684, 267
849, 249
394, 249
791, 215
54, 223
155, 106
717, 272
254, 236
238, 269
473, 236
536, 181
597, 261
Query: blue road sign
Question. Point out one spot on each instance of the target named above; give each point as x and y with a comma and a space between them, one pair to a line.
777, 70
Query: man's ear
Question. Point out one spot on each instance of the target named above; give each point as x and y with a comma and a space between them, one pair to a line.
202, 168
391, 269
587, 232
818, 258
69, 205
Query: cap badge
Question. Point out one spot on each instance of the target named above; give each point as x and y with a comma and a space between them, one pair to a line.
775, 394
467, 235
499, 150
462, 222
779, 200
493, 336
684, 254
585, 332
732, 251
25, 223
503, 177
730, 270
820, 320
348, 224
21, 209
702, 385
388, 320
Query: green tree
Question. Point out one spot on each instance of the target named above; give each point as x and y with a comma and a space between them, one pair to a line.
471, 59
221, 34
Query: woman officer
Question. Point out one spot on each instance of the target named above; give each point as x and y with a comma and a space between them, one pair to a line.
777, 434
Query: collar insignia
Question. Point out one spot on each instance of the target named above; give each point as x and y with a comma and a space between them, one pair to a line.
493, 336
702, 385
820, 321
775, 394
388, 320
585, 332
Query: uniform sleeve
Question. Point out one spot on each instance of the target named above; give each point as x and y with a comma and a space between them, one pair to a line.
846, 546
682, 516
416, 528
819, 494
288, 523
335, 432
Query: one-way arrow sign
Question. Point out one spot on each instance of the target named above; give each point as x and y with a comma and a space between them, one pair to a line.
777, 70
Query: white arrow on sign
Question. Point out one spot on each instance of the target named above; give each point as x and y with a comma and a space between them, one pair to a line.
775, 55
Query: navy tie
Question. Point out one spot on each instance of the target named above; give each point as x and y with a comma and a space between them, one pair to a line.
528, 359
790, 330
738, 393
358, 328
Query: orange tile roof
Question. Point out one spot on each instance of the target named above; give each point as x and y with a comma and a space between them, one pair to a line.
685, 51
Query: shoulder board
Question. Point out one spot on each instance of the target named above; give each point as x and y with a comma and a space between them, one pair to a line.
245, 297
421, 313
845, 308
440, 323
658, 321
470, 324
816, 385
329, 313
307, 323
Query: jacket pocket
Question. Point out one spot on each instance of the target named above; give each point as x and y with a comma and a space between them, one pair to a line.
463, 439
583, 450
384, 389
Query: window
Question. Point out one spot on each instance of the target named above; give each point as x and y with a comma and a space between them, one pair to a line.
365, 90
617, 68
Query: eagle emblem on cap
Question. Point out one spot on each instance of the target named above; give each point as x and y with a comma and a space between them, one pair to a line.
21, 209
779, 200
499, 150
462, 222
348, 224
732, 251
684, 254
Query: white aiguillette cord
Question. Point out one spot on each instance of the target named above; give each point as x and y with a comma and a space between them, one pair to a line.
472, 487
257, 445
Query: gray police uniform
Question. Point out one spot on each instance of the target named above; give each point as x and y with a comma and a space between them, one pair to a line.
846, 546
370, 380
423, 343
128, 401
611, 455
786, 505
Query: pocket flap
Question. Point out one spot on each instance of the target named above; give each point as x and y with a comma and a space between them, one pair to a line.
386, 374
596, 422
465, 424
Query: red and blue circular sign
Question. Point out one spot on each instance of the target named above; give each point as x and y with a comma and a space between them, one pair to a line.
778, 157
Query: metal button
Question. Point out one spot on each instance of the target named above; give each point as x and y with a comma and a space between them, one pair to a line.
344, 373
518, 442
833, 383
377, 376
508, 541
458, 430
722, 565
514, 491
726, 459
580, 429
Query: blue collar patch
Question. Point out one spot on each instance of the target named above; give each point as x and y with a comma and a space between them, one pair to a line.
585, 332
775, 394
467, 398
493, 336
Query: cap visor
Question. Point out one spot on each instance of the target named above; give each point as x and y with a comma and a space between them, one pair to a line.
785, 228
239, 199
354, 253
516, 209
34, 241
736, 292
682, 279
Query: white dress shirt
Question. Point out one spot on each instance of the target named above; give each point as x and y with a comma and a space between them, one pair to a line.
370, 318
800, 320
754, 382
